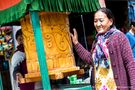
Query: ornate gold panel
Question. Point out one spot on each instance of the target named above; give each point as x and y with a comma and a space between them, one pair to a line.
57, 43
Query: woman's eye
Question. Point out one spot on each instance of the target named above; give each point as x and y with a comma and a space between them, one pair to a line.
95, 20
101, 20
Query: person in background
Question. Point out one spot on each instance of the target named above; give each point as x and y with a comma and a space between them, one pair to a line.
111, 55
18, 63
131, 37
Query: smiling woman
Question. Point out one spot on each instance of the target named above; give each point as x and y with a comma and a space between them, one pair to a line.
101, 21
110, 56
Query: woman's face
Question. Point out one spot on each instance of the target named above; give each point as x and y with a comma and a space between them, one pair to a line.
20, 39
101, 22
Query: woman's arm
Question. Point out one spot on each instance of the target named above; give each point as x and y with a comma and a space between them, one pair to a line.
129, 62
83, 53
16, 71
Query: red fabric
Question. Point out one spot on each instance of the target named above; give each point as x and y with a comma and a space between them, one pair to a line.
4, 4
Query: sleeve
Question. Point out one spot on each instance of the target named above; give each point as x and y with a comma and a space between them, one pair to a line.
16, 62
83, 53
128, 59
16, 70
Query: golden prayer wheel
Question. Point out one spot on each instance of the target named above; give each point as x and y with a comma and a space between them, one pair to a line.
57, 44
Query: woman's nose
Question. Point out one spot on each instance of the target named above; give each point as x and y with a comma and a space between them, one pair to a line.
98, 23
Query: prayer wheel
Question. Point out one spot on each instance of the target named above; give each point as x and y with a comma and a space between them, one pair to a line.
57, 46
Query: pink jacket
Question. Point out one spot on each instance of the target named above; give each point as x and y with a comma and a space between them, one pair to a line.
122, 61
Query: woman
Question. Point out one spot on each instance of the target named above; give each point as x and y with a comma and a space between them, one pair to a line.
111, 54
18, 63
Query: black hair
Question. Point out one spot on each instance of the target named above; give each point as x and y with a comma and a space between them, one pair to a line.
108, 13
18, 33
132, 23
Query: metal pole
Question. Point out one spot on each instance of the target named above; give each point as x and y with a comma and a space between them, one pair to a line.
40, 50
84, 33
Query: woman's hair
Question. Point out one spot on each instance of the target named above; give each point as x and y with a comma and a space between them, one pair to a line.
108, 13
18, 33
132, 23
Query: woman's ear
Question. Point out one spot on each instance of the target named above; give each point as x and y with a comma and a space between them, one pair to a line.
111, 22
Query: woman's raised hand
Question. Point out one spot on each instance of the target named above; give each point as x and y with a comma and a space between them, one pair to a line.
18, 77
74, 37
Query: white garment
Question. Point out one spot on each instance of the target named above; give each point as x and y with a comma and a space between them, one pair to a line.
16, 59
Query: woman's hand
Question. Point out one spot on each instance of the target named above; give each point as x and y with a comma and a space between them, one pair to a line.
18, 77
74, 37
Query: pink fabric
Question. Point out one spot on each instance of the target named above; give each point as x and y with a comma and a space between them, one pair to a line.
122, 61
